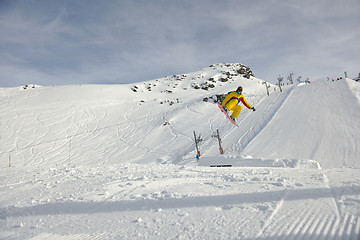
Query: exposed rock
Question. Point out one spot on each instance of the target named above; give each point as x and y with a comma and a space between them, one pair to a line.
224, 72
218, 98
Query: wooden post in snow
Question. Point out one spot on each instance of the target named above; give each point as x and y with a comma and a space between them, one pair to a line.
217, 135
267, 87
197, 140
280, 79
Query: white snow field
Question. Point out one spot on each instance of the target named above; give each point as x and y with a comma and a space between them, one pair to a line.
119, 161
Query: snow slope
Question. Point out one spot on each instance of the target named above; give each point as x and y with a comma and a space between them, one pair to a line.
118, 161
323, 118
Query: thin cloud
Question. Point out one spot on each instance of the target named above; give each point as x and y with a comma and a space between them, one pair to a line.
66, 42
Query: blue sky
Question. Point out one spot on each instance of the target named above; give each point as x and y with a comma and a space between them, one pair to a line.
51, 42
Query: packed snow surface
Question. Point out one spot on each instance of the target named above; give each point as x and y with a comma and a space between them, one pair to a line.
119, 161
324, 117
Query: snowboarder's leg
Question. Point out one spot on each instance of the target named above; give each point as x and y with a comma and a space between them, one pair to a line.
237, 110
231, 104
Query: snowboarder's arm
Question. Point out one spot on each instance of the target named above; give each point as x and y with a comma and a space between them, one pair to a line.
243, 100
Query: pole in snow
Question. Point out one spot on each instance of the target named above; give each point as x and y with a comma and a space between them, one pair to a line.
267, 87
197, 140
217, 135
280, 79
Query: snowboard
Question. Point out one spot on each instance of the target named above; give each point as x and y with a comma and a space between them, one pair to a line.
227, 115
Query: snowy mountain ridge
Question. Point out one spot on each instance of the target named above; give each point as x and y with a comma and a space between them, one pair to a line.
210, 77
85, 110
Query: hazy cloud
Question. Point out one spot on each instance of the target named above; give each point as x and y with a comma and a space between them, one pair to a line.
74, 42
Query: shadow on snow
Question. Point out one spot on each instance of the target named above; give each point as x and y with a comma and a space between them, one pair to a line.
173, 203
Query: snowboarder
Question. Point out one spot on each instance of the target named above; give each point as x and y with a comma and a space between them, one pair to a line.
232, 100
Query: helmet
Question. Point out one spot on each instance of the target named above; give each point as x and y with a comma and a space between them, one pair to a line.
239, 89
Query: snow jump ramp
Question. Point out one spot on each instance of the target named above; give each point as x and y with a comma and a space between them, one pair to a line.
240, 161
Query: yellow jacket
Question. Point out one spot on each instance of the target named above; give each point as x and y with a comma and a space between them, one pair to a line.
234, 95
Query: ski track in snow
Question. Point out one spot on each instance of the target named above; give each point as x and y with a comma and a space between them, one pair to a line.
317, 219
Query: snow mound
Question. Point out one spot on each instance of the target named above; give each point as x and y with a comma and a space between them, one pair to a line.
317, 121
239, 161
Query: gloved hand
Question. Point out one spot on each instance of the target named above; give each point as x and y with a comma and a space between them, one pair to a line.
253, 109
